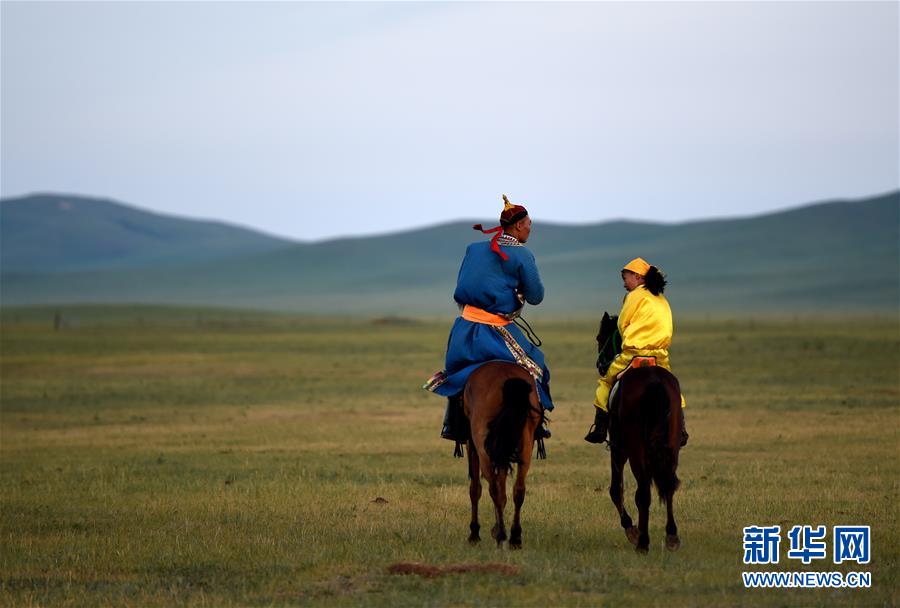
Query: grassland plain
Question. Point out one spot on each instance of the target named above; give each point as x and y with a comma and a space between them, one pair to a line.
155, 457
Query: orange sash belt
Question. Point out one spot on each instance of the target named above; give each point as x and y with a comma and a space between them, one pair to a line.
477, 315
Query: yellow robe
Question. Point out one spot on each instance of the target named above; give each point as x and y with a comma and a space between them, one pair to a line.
645, 323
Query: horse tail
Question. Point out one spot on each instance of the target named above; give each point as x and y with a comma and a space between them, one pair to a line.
656, 404
505, 431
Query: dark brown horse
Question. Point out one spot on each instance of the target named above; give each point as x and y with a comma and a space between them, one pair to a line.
645, 430
502, 405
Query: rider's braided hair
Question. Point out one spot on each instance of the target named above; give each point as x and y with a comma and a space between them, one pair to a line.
655, 281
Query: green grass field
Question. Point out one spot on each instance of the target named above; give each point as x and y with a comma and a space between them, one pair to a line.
158, 457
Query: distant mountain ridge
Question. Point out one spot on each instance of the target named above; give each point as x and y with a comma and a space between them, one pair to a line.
57, 233
839, 256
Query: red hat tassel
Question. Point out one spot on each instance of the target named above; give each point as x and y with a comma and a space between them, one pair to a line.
495, 246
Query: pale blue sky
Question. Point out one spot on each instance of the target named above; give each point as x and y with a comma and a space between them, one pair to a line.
311, 120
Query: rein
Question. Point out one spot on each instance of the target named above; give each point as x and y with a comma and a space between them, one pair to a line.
605, 344
532, 336
529, 332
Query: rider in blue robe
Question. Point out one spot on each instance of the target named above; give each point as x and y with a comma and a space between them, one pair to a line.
494, 281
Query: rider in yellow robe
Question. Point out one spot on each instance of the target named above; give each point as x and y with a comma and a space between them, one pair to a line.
645, 324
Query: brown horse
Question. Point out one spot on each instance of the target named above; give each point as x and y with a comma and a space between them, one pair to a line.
501, 402
644, 432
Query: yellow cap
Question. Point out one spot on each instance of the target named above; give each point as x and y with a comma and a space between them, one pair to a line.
638, 265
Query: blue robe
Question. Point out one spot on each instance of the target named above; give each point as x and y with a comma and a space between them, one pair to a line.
492, 284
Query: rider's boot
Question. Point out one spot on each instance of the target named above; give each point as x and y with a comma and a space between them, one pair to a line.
597, 434
542, 432
452, 421
684, 434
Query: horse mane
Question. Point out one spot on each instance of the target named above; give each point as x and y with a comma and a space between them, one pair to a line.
505, 431
609, 342
656, 409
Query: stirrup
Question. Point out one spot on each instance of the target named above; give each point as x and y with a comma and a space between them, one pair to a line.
592, 436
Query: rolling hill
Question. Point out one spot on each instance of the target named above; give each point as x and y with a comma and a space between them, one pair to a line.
833, 257
53, 233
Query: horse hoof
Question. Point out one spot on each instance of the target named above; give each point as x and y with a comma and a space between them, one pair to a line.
632, 534
672, 542
515, 544
642, 550
474, 540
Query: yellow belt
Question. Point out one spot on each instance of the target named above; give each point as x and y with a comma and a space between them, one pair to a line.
477, 315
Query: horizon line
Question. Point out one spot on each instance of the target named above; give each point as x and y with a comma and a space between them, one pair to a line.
429, 226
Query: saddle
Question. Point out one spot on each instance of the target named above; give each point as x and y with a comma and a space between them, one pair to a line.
637, 363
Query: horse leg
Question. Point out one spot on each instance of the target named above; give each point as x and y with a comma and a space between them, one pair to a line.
498, 494
617, 460
672, 540
642, 499
515, 534
474, 491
